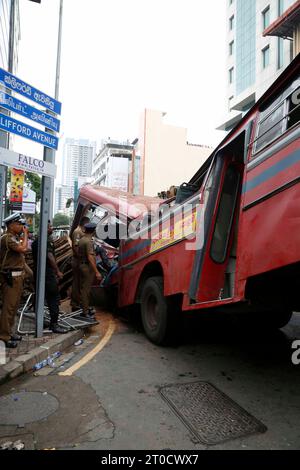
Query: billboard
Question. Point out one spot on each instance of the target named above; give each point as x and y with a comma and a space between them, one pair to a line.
16, 189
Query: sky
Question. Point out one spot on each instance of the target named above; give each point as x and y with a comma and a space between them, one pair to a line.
122, 56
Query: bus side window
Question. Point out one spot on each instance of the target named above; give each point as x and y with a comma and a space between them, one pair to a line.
271, 125
294, 109
279, 116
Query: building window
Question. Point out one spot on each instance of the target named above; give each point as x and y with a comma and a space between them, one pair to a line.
280, 7
231, 75
230, 2
266, 17
266, 57
230, 103
231, 48
245, 44
231, 22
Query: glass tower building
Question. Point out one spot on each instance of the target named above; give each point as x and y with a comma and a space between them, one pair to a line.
253, 61
245, 34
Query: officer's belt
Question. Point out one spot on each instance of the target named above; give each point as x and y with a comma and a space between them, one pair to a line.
16, 273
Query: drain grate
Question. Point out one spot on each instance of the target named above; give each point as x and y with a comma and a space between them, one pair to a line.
210, 415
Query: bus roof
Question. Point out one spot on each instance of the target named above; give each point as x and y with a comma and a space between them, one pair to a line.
125, 204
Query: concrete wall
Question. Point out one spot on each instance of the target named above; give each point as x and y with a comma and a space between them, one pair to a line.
117, 173
167, 158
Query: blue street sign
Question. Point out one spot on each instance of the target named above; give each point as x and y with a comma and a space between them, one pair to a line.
17, 106
17, 127
17, 85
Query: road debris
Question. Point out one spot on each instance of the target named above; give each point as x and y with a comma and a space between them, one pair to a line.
9, 445
47, 362
6, 445
18, 445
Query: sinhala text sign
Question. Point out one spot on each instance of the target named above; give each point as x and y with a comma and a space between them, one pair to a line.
17, 106
17, 85
45, 119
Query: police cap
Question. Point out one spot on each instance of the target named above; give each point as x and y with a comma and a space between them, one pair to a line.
90, 226
16, 217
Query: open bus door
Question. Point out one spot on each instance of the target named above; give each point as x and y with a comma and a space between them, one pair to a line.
215, 262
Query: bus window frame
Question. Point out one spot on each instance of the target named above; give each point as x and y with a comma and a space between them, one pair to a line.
285, 102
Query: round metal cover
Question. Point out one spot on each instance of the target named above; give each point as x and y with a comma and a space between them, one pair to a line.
26, 407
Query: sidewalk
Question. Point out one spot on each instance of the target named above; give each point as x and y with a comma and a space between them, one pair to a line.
32, 350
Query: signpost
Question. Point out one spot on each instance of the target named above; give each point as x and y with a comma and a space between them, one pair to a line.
44, 167
11, 84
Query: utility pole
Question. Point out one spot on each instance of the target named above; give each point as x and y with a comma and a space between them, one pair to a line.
4, 136
46, 204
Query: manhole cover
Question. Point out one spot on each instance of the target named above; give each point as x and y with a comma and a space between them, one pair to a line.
209, 414
26, 407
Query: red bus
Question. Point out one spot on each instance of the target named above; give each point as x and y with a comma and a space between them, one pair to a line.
240, 247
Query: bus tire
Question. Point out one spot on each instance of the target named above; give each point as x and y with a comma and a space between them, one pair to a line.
280, 319
155, 310
272, 319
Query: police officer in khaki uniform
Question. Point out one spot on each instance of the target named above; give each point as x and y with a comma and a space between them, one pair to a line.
12, 265
76, 236
87, 267
52, 275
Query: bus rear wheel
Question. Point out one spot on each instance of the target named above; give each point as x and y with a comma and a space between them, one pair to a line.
158, 316
272, 319
278, 319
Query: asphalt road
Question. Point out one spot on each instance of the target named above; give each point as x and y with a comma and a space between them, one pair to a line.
113, 400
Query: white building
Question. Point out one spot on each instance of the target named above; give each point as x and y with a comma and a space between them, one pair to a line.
254, 60
166, 157
112, 165
62, 194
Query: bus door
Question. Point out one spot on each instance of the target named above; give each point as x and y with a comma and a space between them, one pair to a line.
215, 261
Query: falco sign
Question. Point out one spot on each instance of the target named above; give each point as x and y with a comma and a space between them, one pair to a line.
26, 163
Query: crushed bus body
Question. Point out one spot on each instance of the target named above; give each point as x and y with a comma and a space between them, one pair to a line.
231, 242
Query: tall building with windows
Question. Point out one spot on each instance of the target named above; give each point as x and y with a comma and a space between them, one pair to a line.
254, 59
78, 156
77, 160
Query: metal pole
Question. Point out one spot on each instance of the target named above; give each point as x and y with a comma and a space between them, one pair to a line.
4, 136
46, 206
56, 95
57, 78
